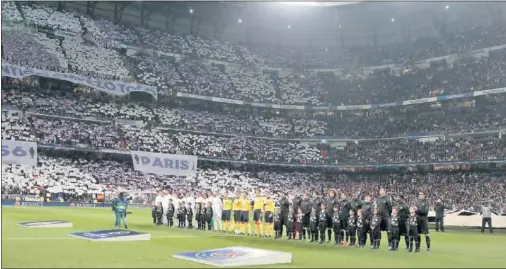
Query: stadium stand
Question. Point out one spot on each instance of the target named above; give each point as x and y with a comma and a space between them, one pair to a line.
235, 142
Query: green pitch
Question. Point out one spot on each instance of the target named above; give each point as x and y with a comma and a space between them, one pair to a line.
52, 247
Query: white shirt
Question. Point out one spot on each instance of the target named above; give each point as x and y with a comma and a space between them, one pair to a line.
217, 203
165, 201
158, 199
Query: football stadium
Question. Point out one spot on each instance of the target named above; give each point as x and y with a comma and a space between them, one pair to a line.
140, 134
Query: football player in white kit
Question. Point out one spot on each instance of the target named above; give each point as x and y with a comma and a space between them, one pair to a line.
165, 205
217, 212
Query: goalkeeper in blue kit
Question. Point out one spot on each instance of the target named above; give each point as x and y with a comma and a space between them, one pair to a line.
119, 206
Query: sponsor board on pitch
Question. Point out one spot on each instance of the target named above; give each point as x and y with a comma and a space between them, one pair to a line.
236, 256
46, 224
112, 235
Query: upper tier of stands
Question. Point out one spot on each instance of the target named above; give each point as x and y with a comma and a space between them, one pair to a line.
89, 47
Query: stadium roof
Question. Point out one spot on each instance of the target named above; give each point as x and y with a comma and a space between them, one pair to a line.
327, 25
321, 4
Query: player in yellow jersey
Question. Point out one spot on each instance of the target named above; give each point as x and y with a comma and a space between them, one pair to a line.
236, 207
227, 211
258, 210
245, 210
270, 204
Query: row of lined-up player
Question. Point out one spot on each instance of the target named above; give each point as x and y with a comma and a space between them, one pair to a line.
351, 230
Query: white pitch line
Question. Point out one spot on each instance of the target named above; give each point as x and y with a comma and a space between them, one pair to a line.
39, 238
72, 238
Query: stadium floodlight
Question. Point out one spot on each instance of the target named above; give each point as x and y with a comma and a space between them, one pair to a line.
289, 26
393, 19
239, 20
191, 10
340, 26
447, 7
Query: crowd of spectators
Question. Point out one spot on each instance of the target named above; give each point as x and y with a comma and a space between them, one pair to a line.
242, 80
83, 105
455, 42
123, 137
460, 191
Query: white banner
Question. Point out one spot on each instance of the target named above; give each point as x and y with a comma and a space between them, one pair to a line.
108, 86
19, 152
164, 164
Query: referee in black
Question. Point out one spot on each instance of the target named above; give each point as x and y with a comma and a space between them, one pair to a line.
486, 212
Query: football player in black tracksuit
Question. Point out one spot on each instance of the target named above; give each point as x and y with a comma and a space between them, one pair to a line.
322, 222
367, 208
305, 206
352, 227
394, 230
330, 202
296, 202
403, 212
344, 213
284, 207
355, 203
422, 210
170, 214
384, 205
316, 203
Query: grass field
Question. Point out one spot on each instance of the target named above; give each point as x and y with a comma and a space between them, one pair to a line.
52, 247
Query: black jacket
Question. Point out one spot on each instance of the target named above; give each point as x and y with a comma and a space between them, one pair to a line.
355, 205
344, 212
367, 210
306, 206
422, 208
403, 210
316, 203
296, 204
440, 210
384, 206
284, 205
170, 211
330, 202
